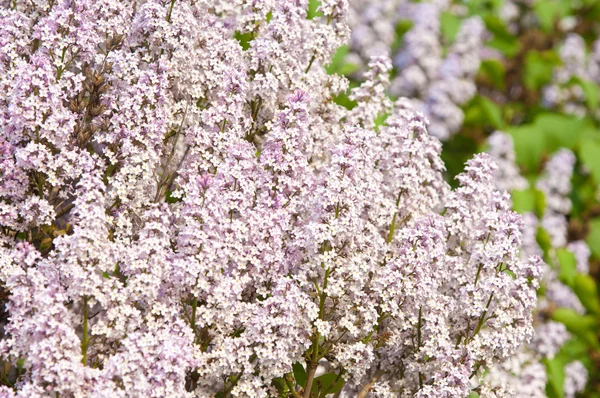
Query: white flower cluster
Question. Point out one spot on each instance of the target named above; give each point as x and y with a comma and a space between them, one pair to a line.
524, 375
579, 66
186, 212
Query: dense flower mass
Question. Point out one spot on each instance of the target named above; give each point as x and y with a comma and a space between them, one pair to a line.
532, 70
526, 367
186, 212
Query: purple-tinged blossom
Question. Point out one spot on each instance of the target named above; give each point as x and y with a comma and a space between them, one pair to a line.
181, 208
582, 253
508, 176
576, 377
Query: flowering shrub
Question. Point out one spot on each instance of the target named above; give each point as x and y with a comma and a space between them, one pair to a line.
534, 75
186, 211
527, 367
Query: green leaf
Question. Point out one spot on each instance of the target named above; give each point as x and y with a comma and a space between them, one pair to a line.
583, 326
338, 64
575, 348
329, 383
589, 152
573, 320
538, 68
494, 71
343, 100
549, 11
540, 203
508, 48
593, 238
455, 152
403, 26
503, 40
313, 9
555, 370
561, 131
482, 6
337, 60
497, 27
299, 374
587, 291
380, 120
347, 69
591, 91
244, 39
568, 266
450, 24
543, 240
529, 201
530, 144
482, 112
492, 111
279, 384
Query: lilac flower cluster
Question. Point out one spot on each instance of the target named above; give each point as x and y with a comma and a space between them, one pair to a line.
508, 176
438, 85
373, 28
565, 92
186, 212
518, 15
524, 374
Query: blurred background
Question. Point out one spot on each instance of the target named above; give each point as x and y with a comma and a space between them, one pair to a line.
518, 79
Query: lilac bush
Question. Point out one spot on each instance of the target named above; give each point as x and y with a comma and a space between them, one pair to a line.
524, 374
539, 71
186, 212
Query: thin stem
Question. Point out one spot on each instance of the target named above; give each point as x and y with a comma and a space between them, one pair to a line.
85, 339
311, 365
475, 370
233, 384
364, 390
478, 272
193, 318
393, 225
40, 184
116, 202
482, 317
59, 72
339, 376
310, 377
170, 11
312, 59
419, 324
65, 210
290, 386
392, 228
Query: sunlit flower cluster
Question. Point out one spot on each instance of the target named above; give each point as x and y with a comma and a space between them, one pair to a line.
186, 212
